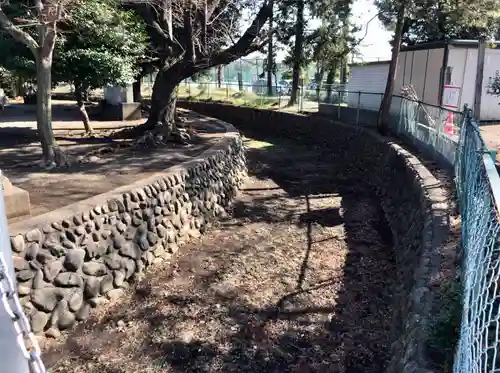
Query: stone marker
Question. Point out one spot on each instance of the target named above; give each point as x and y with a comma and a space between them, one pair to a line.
119, 104
17, 200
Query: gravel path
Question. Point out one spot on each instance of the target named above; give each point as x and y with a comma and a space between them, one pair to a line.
299, 279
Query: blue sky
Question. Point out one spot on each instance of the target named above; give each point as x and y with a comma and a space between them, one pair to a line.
375, 45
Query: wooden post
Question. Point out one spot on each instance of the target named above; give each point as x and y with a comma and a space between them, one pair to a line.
481, 52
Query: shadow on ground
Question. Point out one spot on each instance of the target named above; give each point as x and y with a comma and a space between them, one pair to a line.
20, 112
109, 161
299, 279
20, 147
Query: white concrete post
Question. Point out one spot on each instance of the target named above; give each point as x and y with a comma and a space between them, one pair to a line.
11, 357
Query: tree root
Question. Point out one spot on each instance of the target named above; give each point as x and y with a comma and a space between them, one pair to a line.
161, 134
150, 139
57, 159
157, 137
94, 155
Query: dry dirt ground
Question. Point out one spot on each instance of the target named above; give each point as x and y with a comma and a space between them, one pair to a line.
491, 135
298, 279
107, 165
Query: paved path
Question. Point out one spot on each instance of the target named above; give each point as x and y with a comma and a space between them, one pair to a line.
65, 116
299, 279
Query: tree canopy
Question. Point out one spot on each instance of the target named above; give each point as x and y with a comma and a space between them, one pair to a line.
101, 44
427, 21
188, 36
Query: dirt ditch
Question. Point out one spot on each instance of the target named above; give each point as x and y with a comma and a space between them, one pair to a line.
298, 279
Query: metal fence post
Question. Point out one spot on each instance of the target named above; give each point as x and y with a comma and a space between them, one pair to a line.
357, 109
414, 127
11, 357
301, 99
400, 116
338, 104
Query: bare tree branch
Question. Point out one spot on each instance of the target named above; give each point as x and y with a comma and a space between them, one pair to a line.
51, 32
190, 55
244, 45
18, 34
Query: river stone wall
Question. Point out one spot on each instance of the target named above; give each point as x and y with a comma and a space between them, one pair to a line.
77, 257
413, 201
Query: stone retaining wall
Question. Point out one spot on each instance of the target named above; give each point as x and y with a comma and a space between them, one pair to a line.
414, 204
76, 257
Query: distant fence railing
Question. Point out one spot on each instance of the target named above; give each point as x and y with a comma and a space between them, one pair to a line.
257, 93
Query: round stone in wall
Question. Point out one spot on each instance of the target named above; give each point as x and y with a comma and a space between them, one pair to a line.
34, 235
38, 321
94, 269
17, 243
74, 259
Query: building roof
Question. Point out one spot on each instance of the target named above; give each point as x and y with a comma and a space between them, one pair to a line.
370, 63
458, 43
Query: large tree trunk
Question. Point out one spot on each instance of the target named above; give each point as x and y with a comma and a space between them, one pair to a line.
240, 82
441, 21
51, 152
270, 64
80, 102
136, 90
19, 87
330, 79
161, 125
297, 52
270, 53
385, 106
343, 75
319, 81
219, 76
163, 99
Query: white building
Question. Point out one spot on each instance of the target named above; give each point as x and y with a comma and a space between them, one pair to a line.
366, 84
429, 67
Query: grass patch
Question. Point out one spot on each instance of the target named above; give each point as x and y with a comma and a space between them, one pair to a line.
227, 95
254, 144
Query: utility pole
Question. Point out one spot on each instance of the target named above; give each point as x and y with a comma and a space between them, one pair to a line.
11, 357
481, 52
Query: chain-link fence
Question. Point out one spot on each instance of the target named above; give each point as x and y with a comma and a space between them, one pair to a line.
478, 186
455, 138
237, 93
19, 350
258, 94
451, 136
429, 128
